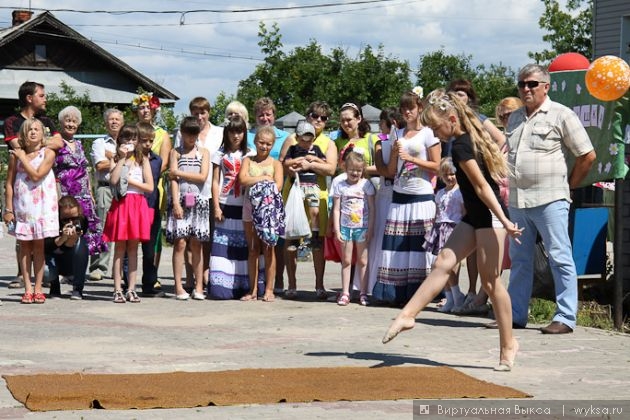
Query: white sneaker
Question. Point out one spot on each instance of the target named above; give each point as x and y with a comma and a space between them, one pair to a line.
183, 296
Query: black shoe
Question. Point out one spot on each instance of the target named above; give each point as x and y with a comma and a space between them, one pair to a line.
153, 294
76, 295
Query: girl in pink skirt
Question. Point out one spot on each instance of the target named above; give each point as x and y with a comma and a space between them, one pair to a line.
129, 218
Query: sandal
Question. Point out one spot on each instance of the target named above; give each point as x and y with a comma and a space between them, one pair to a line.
27, 298
363, 300
119, 297
343, 300
290, 294
39, 298
132, 296
321, 294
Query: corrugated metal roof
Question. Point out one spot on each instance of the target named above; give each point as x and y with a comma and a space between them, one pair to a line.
101, 87
11, 34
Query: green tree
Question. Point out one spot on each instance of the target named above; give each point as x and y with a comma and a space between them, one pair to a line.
295, 79
91, 115
374, 78
567, 31
265, 79
437, 69
493, 84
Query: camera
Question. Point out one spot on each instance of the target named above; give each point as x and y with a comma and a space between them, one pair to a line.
78, 229
76, 225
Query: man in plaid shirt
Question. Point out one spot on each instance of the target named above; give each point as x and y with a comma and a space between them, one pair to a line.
539, 137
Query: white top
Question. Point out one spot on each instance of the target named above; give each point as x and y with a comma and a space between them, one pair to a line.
230, 191
211, 142
450, 206
353, 201
135, 173
410, 178
99, 147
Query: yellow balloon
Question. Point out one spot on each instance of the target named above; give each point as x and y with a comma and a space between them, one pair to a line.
608, 78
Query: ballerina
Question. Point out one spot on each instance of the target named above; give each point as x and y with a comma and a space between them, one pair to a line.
479, 164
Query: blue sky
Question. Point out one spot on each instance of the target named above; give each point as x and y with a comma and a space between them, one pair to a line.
205, 53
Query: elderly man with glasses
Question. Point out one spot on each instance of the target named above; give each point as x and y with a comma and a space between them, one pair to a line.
540, 135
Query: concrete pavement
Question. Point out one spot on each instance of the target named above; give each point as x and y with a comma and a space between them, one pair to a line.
163, 334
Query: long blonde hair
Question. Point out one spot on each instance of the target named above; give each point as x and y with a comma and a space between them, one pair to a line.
440, 106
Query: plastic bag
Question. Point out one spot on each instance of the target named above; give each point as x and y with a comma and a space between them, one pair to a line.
297, 224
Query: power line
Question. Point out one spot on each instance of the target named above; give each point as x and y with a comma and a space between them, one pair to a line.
182, 23
146, 47
184, 12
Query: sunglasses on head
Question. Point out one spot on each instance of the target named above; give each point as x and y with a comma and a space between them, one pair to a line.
315, 116
530, 84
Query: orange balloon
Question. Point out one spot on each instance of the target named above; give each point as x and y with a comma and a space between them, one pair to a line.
608, 78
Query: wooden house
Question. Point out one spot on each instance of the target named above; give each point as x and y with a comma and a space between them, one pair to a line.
43, 49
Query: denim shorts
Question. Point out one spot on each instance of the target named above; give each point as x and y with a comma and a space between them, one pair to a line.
353, 234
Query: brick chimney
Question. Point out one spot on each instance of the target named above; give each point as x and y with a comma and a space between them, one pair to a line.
21, 16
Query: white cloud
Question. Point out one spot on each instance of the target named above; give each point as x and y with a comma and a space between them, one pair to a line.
492, 31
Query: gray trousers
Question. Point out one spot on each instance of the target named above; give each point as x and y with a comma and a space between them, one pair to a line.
103, 197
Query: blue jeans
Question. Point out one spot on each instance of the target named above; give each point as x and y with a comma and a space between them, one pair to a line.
552, 222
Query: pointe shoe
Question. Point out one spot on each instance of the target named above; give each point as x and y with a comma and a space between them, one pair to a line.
506, 365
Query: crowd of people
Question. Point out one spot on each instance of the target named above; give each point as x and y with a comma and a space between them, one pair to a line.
400, 209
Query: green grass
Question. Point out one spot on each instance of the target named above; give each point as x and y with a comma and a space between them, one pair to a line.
590, 314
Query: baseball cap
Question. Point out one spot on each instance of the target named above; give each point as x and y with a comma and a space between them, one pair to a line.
304, 127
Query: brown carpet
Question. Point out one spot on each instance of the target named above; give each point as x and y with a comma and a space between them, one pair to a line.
44, 392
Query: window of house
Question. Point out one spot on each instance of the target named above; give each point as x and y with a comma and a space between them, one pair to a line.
40, 53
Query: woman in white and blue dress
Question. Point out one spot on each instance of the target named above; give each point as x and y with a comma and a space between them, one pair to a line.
229, 277
415, 158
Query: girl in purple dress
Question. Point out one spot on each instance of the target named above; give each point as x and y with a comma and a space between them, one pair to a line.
73, 179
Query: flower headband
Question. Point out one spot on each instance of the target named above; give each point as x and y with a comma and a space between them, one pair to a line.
148, 97
419, 91
440, 100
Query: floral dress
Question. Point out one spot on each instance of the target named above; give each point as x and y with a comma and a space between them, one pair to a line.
73, 179
35, 203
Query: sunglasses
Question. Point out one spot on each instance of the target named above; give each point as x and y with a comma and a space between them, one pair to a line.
505, 115
530, 84
315, 116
